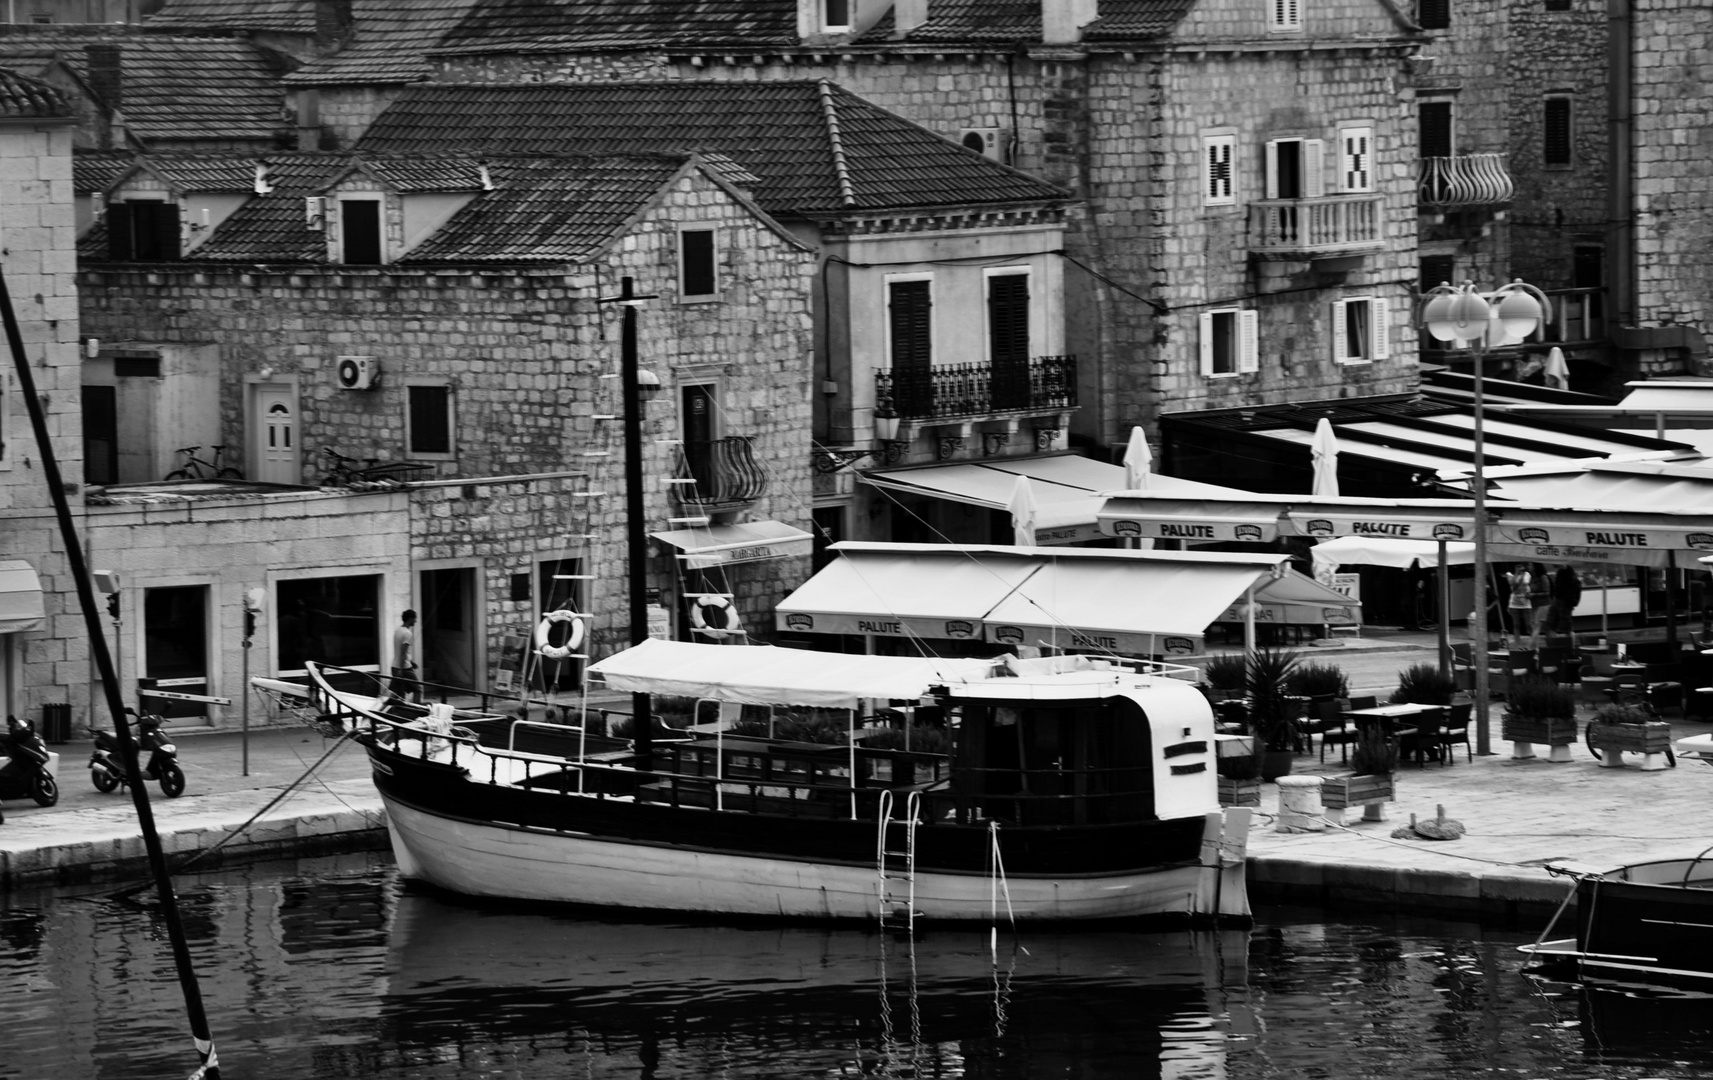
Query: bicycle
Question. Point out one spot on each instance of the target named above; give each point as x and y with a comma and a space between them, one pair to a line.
195, 468
344, 471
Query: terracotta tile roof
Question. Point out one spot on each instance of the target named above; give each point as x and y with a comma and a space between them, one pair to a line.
816, 148
987, 22
94, 171
604, 25
20, 95
176, 88
540, 209
214, 173
278, 16
388, 45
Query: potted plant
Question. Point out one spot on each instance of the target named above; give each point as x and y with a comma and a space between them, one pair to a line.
1539, 711
1319, 681
1373, 761
1273, 711
1226, 676
1620, 728
1424, 684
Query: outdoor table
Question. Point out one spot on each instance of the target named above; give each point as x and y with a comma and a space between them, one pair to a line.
1398, 718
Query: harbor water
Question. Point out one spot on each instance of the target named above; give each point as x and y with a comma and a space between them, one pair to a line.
331, 968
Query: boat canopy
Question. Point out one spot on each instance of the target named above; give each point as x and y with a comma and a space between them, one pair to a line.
769, 675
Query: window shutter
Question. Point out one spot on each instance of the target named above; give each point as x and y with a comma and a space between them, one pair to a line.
1206, 321
1437, 270
1314, 168
1356, 164
1008, 340
1433, 119
910, 305
1436, 14
1555, 138
166, 231
1248, 342
1380, 321
1220, 188
119, 245
1340, 337
1272, 169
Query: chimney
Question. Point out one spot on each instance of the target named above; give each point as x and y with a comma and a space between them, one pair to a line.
104, 74
1062, 21
332, 24
907, 15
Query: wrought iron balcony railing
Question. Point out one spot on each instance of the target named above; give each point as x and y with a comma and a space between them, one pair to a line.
969, 391
1305, 227
720, 472
1467, 180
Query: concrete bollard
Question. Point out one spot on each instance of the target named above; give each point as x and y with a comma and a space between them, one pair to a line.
1299, 805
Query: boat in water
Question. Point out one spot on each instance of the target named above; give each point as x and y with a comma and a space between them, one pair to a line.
1647, 922
1066, 788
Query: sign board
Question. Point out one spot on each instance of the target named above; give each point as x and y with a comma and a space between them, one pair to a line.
659, 622
206, 699
1348, 584
512, 647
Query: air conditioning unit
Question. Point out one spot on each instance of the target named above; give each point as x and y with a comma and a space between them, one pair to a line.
315, 211
988, 142
356, 372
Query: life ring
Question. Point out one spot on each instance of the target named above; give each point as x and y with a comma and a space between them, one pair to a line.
573, 638
715, 615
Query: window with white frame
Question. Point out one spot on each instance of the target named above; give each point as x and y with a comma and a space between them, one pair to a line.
1296, 168
698, 263
1228, 342
1284, 15
360, 232
429, 418
835, 14
1219, 164
1360, 329
1356, 159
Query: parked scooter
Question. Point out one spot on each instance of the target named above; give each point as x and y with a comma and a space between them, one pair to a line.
107, 767
25, 772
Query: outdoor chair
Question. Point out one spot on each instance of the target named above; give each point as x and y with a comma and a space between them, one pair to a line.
1422, 738
1334, 728
1456, 730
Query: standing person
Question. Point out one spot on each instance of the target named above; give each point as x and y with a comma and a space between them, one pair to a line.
1520, 605
1566, 594
1540, 605
404, 656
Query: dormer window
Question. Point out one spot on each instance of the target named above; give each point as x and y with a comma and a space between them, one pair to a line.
142, 230
835, 14
360, 238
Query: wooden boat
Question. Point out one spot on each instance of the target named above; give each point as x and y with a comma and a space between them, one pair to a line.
1647, 922
1073, 789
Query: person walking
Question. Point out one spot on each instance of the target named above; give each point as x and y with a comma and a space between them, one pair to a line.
1521, 605
404, 658
1540, 606
1566, 594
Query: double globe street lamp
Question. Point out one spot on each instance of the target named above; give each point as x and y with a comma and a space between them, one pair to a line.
1462, 314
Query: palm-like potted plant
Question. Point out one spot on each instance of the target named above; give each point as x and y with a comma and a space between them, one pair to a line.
1319, 681
1621, 727
1539, 711
1273, 710
1425, 684
1226, 676
1374, 763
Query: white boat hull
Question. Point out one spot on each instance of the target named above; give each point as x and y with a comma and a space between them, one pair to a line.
496, 860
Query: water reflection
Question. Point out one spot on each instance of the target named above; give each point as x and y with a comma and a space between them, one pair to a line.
328, 968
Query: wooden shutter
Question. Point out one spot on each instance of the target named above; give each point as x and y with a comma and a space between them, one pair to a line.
1314, 168
1220, 186
1008, 340
163, 232
1356, 163
1380, 327
1433, 119
1436, 14
1248, 342
1340, 337
1272, 168
1555, 136
1437, 270
120, 247
1206, 327
910, 311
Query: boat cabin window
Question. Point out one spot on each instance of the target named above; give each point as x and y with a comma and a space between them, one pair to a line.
1090, 764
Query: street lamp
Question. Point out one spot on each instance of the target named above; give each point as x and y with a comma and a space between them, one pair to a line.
1461, 314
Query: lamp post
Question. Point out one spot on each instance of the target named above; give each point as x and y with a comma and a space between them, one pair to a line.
1459, 313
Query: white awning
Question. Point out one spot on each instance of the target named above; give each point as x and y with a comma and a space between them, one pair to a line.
765, 674
1105, 600
1400, 554
20, 597
1068, 490
722, 545
1162, 515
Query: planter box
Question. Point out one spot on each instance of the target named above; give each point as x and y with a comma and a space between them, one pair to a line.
1650, 738
1546, 731
1239, 792
1343, 792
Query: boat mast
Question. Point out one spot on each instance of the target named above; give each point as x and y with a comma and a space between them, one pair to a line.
78, 568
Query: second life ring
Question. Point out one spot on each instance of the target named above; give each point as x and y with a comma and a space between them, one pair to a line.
573, 636
714, 614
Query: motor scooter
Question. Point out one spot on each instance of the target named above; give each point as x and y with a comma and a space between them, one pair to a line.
26, 771
107, 767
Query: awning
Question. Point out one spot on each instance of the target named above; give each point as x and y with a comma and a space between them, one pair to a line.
1296, 600
1452, 522
1105, 600
20, 597
722, 545
1068, 490
765, 674
1399, 554
1163, 515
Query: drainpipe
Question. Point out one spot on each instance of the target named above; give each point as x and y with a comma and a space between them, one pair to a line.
1620, 139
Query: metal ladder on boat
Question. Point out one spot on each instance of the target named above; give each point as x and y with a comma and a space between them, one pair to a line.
902, 858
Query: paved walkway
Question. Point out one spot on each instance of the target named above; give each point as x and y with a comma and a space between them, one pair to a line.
1518, 814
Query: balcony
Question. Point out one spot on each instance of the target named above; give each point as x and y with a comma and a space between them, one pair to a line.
1577, 315
1315, 228
1464, 182
973, 391
719, 474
